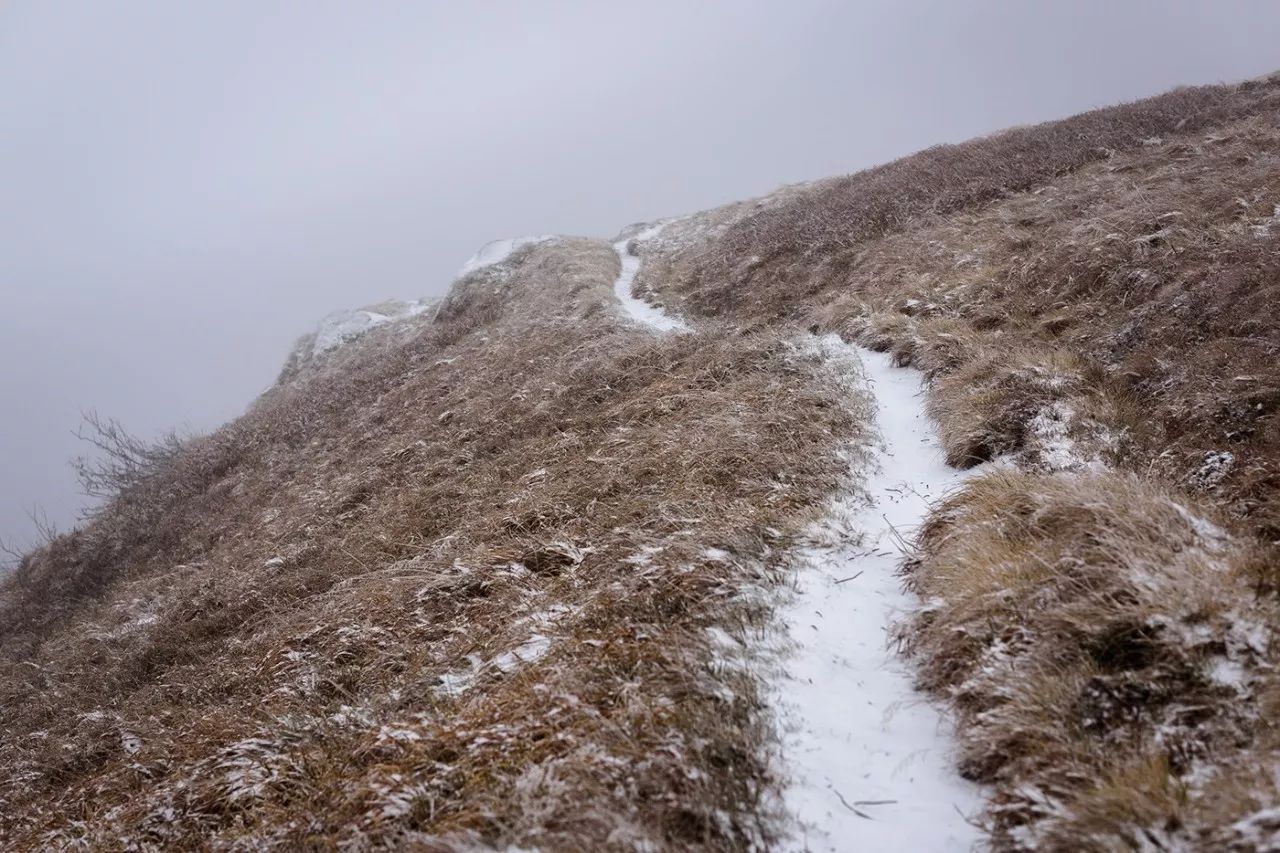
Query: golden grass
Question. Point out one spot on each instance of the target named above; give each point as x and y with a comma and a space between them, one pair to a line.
1102, 640
1093, 302
1154, 269
450, 587
271, 624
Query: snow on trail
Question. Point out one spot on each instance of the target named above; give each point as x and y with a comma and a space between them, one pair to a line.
637, 309
869, 758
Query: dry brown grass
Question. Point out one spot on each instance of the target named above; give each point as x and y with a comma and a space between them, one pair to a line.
1103, 642
844, 213
268, 626
1094, 301
307, 630
1154, 270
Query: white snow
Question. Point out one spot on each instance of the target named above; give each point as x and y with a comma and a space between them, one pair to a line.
529, 651
1057, 448
1228, 672
1211, 536
637, 309
342, 326
1216, 466
869, 758
498, 251
1259, 830
457, 683
130, 742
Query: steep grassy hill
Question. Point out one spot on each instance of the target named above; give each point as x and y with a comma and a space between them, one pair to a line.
493, 574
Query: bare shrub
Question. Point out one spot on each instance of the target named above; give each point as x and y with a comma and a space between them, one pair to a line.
123, 462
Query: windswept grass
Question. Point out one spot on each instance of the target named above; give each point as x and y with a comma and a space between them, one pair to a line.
451, 587
1093, 301
1102, 640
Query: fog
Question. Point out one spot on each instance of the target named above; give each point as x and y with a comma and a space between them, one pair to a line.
189, 187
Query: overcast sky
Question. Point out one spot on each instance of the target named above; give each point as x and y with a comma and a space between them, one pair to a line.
187, 187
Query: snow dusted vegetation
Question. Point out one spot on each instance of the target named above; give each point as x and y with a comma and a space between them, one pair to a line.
342, 326
945, 519
634, 307
497, 251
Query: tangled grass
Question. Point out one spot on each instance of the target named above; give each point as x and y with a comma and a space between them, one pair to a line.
455, 586
1111, 662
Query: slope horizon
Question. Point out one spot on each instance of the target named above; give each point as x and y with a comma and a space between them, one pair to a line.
108, 328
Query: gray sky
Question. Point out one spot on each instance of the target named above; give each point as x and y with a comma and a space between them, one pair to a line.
187, 187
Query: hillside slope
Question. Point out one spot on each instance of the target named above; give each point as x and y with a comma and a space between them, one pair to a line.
464, 587
1094, 301
514, 571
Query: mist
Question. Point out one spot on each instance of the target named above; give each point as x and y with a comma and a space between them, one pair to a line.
190, 187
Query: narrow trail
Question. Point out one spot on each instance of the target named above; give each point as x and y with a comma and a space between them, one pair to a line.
868, 757
637, 309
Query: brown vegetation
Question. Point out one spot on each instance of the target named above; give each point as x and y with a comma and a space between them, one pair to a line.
1111, 664
1095, 301
451, 586
450, 592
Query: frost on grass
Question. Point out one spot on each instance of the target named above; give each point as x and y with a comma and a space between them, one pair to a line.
342, 326
1096, 621
1213, 470
454, 647
634, 307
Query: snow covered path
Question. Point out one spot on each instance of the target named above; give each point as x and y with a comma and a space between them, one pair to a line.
637, 309
869, 757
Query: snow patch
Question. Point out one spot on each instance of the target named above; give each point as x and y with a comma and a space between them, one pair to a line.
532, 650
456, 683
1228, 673
1057, 449
529, 651
1263, 227
342, 326
1215, 467
498, 251
1258, 831
1211, 536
